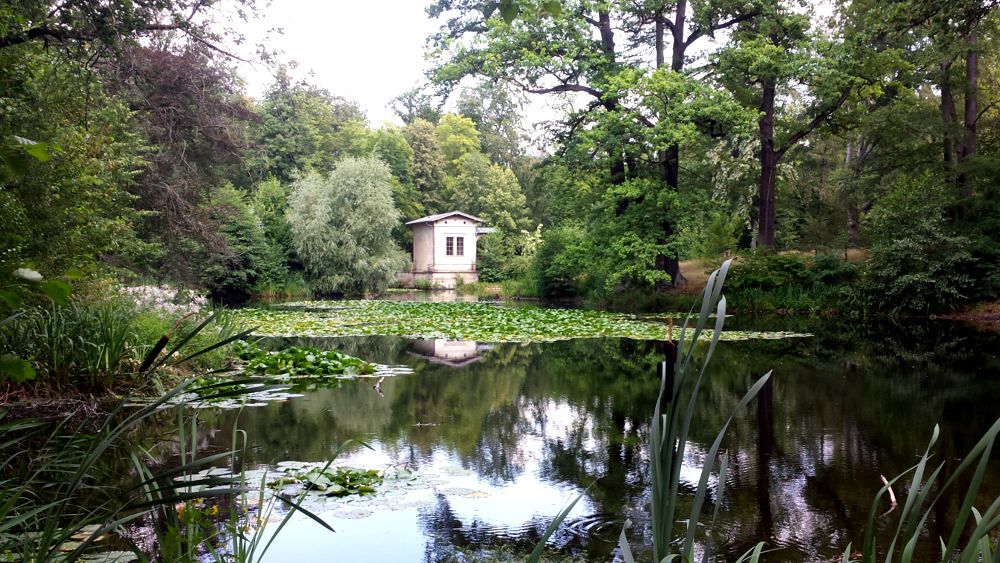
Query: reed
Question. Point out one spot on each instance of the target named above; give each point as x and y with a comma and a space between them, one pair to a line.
48, 498
669, 432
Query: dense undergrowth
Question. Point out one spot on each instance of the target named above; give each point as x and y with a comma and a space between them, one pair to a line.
99, 338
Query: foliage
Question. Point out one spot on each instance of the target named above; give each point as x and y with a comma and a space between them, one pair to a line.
251, 259
915, 263
96, 342
561, 262
298, 362
457, 137
74, 208
342, 225
481, 322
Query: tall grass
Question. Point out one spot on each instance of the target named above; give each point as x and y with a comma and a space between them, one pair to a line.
96, 344
55, 493
969, 540
670, 428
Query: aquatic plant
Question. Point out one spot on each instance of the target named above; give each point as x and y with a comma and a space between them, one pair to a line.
668, 439
51, 505
299, 362
482, 322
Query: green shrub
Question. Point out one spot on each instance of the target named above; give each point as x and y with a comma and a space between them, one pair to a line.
915, 263
763, 269
560, 263
251, 259
423, 284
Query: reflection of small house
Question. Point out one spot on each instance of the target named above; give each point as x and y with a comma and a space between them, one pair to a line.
451, 352
444, 247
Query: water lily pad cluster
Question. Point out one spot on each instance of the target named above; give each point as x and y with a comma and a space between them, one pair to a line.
333, 481
482, 322
299, 362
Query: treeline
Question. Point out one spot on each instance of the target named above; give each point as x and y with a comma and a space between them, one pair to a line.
872, 128
159, 167
698, 128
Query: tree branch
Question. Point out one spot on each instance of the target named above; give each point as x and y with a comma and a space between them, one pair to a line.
565, 88
710, 30
814, 123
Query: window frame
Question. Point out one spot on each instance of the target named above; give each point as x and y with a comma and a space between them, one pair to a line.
459, 246
449, 246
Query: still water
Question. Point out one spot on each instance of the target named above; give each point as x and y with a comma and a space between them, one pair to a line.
532, 425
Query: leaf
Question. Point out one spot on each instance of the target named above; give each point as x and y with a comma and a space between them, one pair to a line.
57, 290
15, 160
38, 150
19, 370
509, 11
552, 7
75, 273
12, 300
489, 9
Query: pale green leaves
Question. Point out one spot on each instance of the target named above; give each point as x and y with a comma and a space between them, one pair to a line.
510, 9
461, 321
15, 154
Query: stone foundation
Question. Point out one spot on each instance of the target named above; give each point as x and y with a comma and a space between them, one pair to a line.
441, 280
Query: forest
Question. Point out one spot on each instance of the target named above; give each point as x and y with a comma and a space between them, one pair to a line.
847, 152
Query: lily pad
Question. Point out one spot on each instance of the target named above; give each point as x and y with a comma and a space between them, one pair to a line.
476, 494
459, 491
355, 514
482, 322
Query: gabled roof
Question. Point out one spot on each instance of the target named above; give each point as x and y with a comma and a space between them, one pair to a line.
439, 216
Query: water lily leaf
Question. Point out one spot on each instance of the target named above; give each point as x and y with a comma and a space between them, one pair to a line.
355, 514
460, 491
476, 494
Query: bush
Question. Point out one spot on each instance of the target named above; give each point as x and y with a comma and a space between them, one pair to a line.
763, 269
251, 259
914, 263
559, 262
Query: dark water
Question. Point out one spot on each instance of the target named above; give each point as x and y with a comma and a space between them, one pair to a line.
539, 423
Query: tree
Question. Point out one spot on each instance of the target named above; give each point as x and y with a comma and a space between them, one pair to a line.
495, 109
428, 165
110, 24
342, 227
74, 209
457, 137
491, 192
770, 60
414, 104
304, 127
189, 106
579, 49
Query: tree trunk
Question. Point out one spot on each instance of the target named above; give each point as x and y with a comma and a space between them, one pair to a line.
947, 116
768, 167
668, 160
971, 110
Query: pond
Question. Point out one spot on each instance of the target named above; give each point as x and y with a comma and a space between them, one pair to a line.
502, 434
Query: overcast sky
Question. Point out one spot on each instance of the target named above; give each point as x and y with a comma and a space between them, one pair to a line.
369, 50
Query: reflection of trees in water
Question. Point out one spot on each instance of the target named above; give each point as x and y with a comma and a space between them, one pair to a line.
857, 400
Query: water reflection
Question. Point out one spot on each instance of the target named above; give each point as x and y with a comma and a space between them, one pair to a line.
538, 423
455, 353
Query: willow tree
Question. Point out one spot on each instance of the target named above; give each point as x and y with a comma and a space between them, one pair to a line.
342, 227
